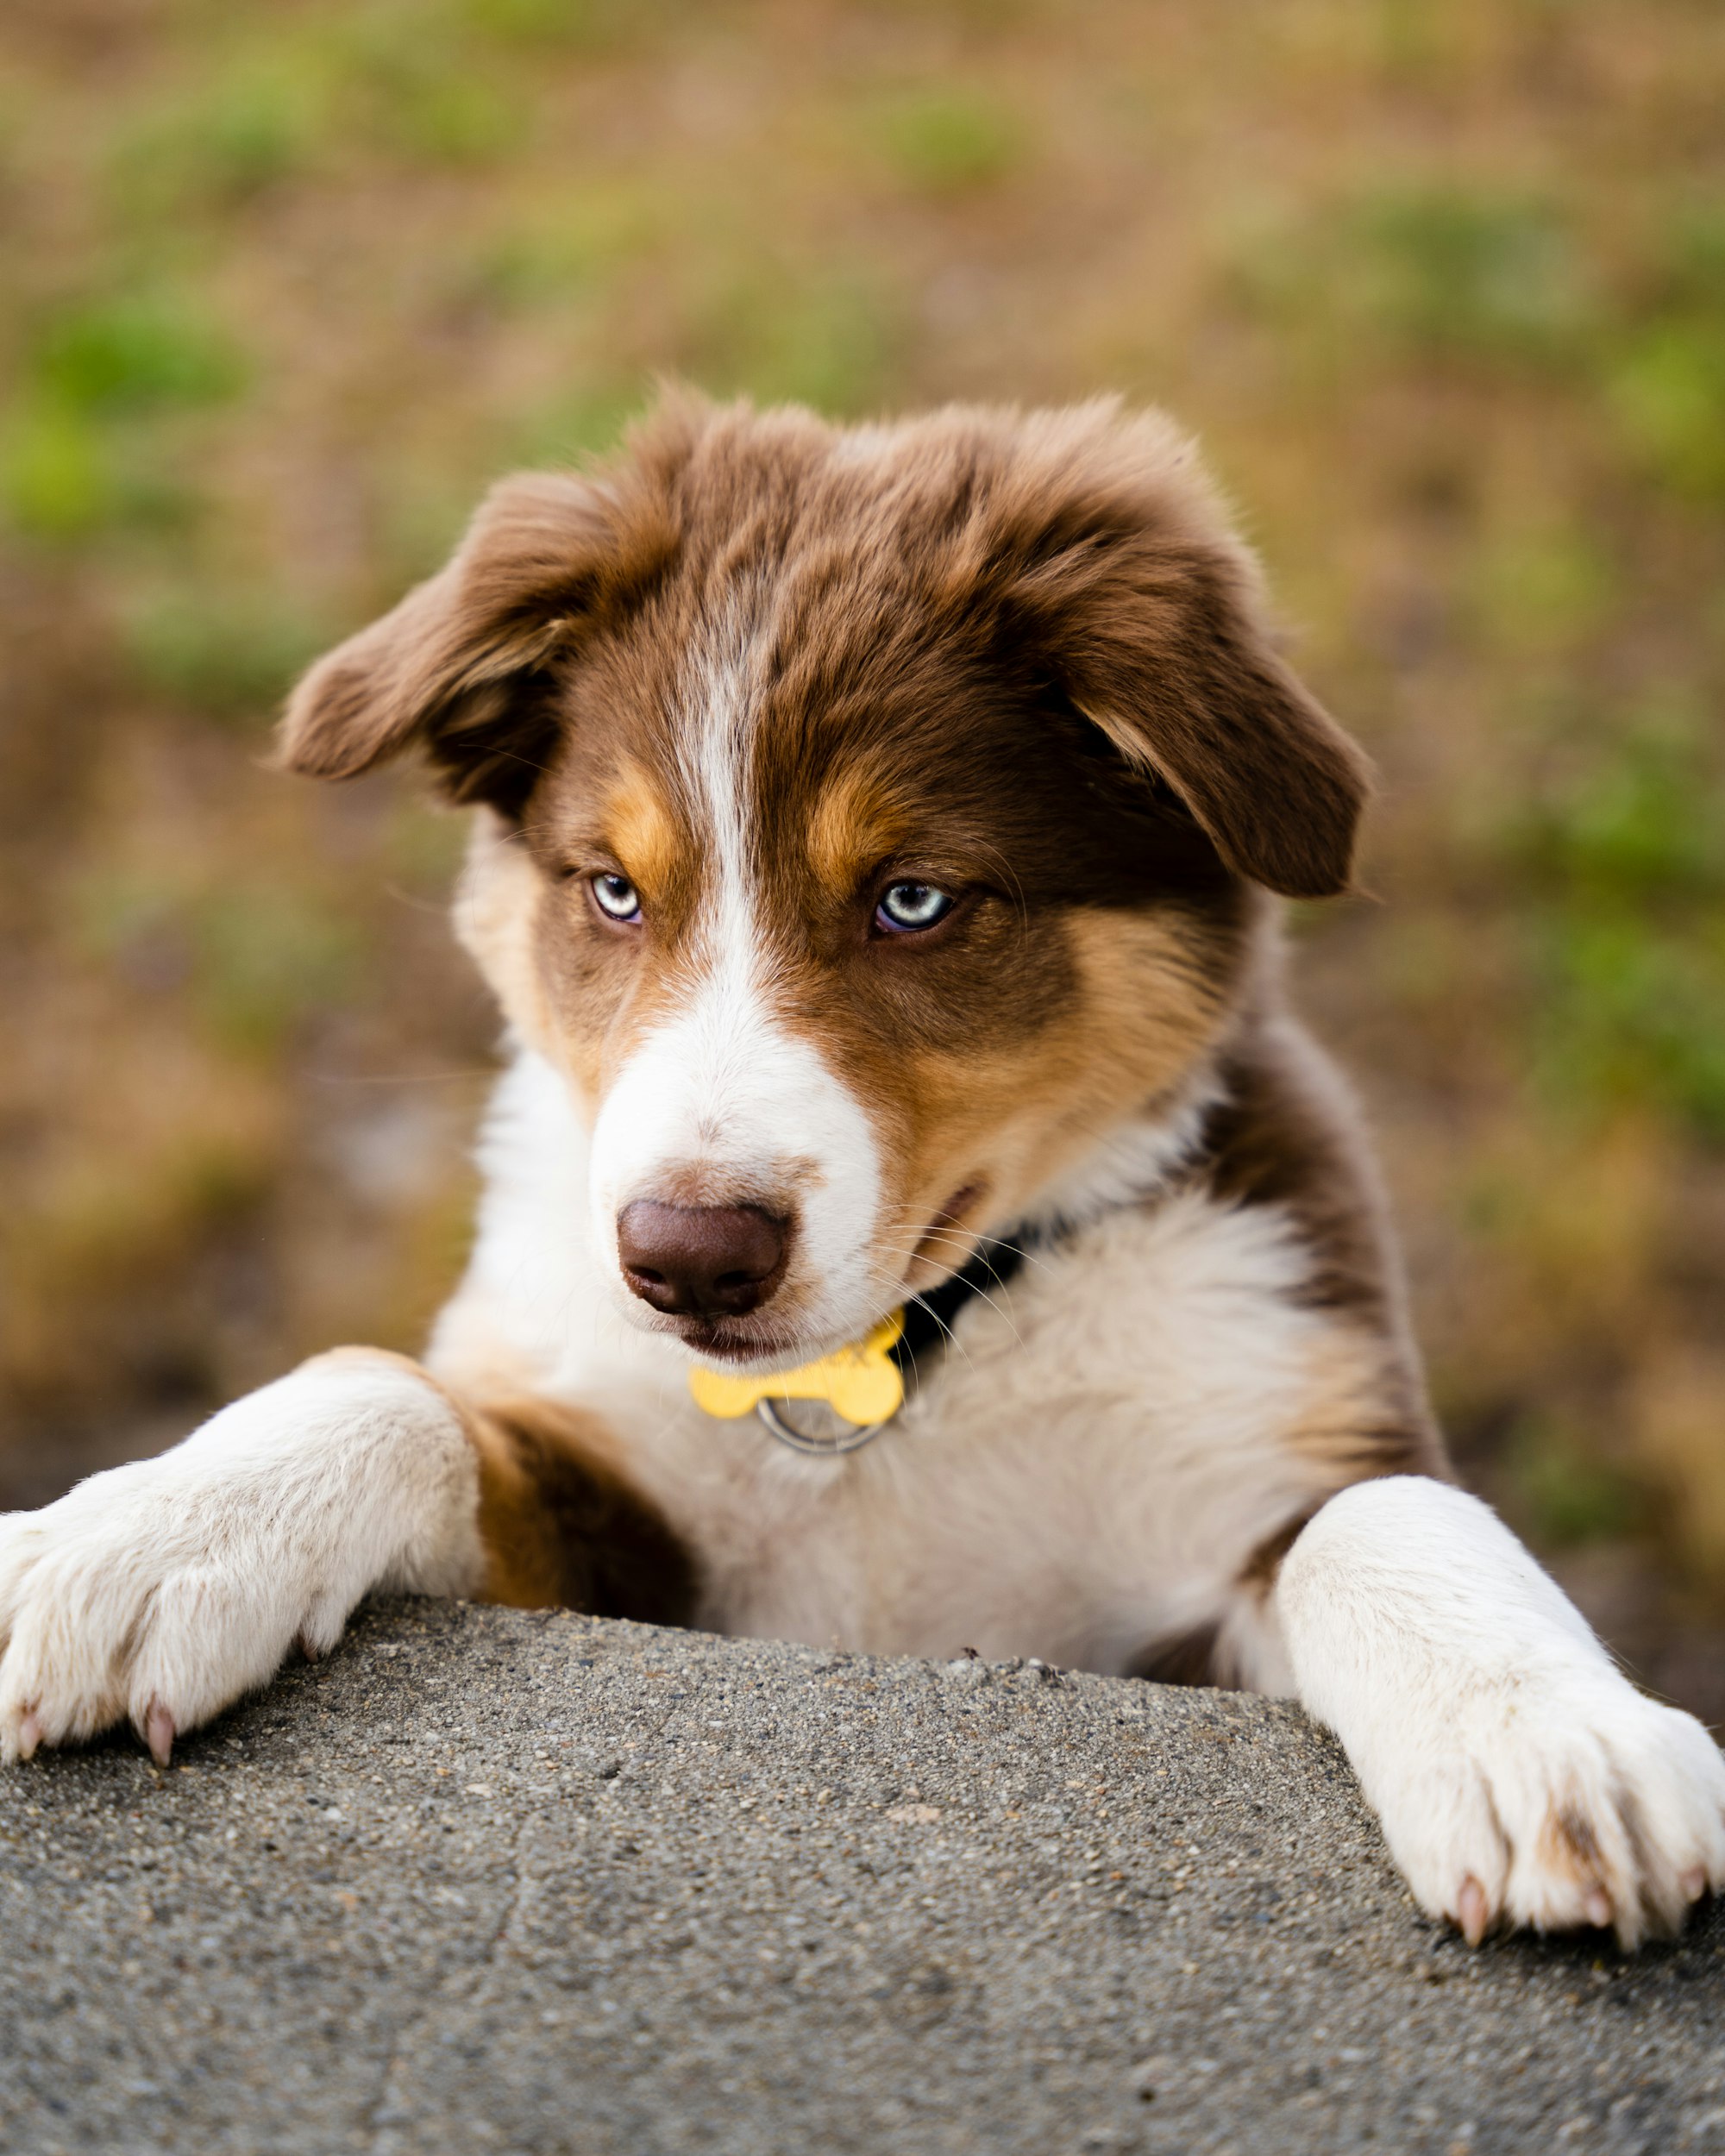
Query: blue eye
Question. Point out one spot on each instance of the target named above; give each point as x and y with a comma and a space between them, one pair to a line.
617, 898
906, 907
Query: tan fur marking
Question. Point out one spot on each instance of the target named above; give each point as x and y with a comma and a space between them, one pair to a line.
649, 847
858, 821
1154, 987
1144, 1006
1356, 1417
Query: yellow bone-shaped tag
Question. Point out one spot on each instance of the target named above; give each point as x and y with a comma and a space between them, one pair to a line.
861, 1382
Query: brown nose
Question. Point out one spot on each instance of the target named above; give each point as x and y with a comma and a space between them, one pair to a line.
700, 1261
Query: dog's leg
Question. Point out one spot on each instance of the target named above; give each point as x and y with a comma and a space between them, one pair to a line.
1520, 1778
164, 1589
562, 1528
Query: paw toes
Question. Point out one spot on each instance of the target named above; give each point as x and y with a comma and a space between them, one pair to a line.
1605, 1815
1472, 1910
158, 1733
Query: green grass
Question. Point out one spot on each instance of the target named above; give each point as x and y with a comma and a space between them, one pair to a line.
584, 25
120, 353
1639, 817
1565, 1494
267, 953
1665, 384
215, 648
949, 141
575, 424
1624, 864
250, 956
572, 246
777, 329
249, 127
1667, 394
66, 475
1428, 270
55, 480
1540, 592
84, 445
1630, 1014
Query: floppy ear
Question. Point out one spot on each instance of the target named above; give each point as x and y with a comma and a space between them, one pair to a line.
1123, 571
461, 665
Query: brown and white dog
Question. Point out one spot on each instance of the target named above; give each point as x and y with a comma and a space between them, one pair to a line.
876, 840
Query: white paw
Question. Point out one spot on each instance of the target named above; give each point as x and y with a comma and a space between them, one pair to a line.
133, 1597
162, 1591
1559, 1805
1521, 1778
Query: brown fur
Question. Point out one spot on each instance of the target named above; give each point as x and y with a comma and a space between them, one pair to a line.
562, 1528
1020, 656
1286, 1134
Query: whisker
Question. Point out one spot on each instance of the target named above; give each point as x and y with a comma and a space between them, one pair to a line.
996, 1243
490, 749
982, 1294
438, 908
952, 1339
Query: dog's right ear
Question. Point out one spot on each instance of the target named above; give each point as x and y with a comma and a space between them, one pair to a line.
462, 667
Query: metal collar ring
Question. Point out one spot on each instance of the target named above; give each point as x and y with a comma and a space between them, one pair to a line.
816, 1448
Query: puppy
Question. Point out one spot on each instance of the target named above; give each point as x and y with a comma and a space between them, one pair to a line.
877, 839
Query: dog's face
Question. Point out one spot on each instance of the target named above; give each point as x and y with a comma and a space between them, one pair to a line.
872, 824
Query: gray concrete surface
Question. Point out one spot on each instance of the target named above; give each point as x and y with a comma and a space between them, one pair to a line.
492, 1881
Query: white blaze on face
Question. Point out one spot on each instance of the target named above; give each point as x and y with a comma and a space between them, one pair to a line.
723, 1098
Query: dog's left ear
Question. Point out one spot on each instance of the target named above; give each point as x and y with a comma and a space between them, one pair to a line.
460, 666
1121, 568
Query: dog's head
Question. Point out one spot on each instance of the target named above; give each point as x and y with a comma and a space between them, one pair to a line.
875, 819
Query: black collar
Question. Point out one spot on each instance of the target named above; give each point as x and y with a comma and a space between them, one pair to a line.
929, 1318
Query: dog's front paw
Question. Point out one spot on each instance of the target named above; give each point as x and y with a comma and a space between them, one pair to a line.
138, 1596
1558, 1805
164, 1590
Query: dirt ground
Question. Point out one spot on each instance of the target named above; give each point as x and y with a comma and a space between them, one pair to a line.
1442, 286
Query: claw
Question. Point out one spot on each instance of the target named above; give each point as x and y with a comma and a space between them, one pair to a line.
1471, 1912
158, 1733
29, 1733
1598, 1906
1693, 1883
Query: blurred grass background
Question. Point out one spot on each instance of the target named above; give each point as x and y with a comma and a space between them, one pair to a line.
1441, 283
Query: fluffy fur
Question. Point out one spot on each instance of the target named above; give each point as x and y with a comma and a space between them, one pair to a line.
755, 673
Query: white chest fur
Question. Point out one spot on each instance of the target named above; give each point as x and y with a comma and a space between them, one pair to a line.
1086, 1467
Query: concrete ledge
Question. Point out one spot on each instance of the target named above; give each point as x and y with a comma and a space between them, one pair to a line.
488, 1881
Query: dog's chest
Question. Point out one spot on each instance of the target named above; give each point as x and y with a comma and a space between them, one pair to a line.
1087, 1468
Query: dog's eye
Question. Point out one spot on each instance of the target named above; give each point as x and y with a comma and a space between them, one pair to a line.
906, 907
617, 898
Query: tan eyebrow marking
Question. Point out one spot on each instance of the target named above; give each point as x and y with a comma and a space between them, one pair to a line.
858, 821
642, 829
